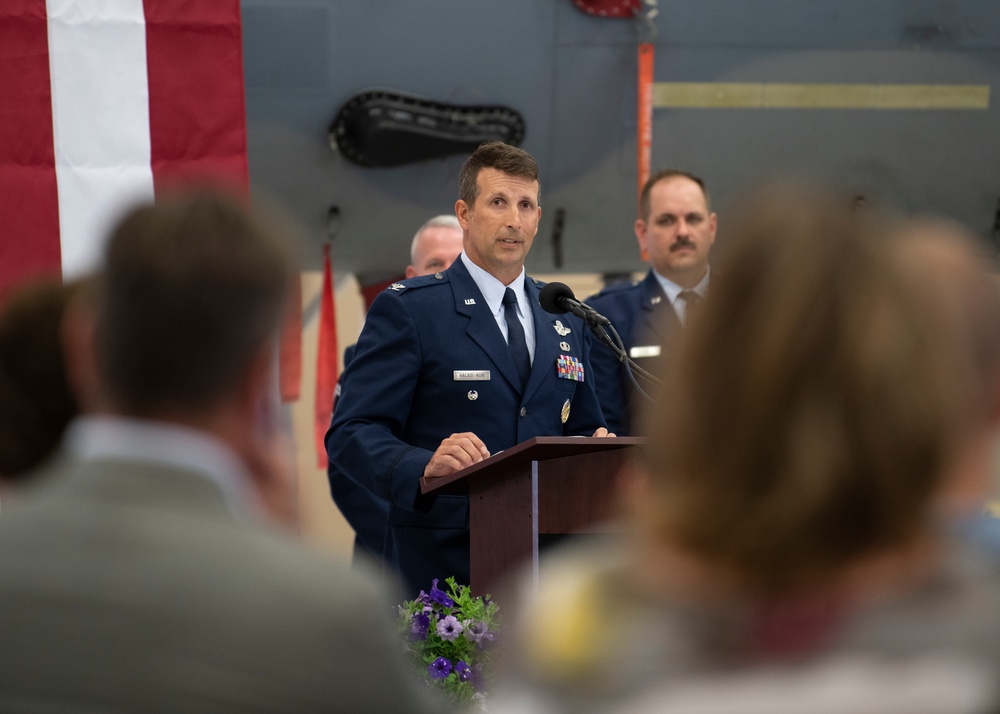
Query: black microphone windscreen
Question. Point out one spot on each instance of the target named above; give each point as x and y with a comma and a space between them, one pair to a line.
552, 297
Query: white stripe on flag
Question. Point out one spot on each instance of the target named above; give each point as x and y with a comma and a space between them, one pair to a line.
100, 119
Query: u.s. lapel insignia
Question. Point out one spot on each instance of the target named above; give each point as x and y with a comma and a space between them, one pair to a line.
655, 300
470, 301
396, 287
564, 415
561, 328
564, 346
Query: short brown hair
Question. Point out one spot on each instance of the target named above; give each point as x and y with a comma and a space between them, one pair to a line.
817, 398
192, 288
665, 174
494, 155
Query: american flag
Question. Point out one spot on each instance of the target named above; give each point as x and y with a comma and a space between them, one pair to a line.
106, 102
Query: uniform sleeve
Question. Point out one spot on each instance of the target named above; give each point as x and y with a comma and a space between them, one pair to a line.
364, 441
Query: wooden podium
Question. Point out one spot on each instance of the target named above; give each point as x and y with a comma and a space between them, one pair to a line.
545, 485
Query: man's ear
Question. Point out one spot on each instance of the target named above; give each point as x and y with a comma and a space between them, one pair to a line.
77, 339
257, 380
462, 211
642, 236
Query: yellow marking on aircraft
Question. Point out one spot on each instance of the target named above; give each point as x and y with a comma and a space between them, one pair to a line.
763, 95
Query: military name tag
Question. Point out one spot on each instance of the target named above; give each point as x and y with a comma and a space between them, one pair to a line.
647, 351
471, 375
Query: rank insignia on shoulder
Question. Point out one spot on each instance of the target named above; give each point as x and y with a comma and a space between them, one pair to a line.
569, 368
561, 328
396, 287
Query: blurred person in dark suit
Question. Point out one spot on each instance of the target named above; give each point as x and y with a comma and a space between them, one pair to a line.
36, 402
791, 548
145, 571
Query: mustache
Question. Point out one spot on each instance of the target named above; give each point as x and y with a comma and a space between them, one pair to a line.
681, 242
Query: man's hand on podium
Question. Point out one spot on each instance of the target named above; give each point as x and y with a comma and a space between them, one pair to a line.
602, 432
456, 453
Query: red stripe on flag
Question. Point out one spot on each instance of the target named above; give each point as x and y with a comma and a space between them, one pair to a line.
644, 138
326, 359
290, 346
29, 201
197, 115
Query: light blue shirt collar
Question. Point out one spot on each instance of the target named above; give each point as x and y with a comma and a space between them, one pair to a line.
493, 291
105, 436
673, 290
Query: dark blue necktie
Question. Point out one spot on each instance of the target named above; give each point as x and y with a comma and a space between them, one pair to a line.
515, 337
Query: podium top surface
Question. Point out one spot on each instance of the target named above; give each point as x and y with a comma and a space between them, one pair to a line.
538, 448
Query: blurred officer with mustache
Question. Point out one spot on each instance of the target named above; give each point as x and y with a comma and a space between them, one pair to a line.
675, 230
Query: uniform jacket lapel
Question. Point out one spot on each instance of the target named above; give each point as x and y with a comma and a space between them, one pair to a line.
658, 316
482, 326
546, 348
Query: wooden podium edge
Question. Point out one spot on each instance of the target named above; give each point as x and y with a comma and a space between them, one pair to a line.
538, 448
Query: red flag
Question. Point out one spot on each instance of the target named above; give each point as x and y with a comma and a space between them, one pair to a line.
107, 102
326, 359
290, 347
645, 112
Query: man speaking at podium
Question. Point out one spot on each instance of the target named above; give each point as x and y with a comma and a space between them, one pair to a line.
455, 366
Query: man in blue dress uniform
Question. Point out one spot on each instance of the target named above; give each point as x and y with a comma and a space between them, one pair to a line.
675, 230
455, 366
435, 247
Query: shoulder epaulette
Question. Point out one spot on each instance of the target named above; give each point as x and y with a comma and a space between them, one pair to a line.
421, 281
617, 288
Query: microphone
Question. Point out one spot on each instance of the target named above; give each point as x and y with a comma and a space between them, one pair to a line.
558, 298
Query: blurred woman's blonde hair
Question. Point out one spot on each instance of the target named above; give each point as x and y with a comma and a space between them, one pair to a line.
819, 393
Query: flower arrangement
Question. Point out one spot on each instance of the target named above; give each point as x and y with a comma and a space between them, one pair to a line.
449, 635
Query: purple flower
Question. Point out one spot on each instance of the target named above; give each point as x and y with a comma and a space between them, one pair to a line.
439, 668
476, 677
449, 628
437, 595
476, 631
463, 671
419, 625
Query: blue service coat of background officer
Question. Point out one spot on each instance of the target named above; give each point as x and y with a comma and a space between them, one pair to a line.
648, 326
430, 362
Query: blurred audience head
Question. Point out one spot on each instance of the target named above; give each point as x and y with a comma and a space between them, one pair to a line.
36, 402
435, 246
192, 292
824, 394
